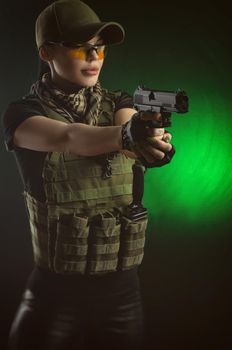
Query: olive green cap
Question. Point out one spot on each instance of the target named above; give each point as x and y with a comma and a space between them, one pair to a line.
73, 20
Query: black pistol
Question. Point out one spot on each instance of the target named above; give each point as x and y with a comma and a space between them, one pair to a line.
164, 102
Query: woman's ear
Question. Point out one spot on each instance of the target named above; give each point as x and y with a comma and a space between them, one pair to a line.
45, 53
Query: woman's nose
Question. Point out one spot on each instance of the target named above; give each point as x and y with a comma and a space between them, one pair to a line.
92, 55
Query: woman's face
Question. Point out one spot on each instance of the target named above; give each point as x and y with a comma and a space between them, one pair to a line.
65, 65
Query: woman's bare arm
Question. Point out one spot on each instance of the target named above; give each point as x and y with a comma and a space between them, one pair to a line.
40, 133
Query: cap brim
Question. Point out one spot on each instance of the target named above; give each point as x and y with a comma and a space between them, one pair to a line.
111, 32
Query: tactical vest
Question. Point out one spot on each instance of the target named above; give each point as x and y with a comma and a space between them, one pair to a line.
81, 228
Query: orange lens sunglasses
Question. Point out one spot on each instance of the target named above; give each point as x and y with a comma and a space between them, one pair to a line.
81, 51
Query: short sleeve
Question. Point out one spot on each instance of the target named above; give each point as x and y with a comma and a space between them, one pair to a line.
125, 100
15, 113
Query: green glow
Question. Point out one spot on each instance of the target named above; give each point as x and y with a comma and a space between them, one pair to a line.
196, 185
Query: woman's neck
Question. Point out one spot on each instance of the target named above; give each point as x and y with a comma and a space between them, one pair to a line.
65, 85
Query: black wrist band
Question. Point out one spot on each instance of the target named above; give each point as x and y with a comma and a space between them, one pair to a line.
126, 139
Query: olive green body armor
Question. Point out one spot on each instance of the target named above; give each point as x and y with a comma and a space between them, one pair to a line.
81, 228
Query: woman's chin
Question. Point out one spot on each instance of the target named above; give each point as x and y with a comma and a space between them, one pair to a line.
84, 80
89, 81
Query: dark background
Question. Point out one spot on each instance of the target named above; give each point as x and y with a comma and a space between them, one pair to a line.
186, 271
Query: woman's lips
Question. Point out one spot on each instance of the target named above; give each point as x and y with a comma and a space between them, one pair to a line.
90, 72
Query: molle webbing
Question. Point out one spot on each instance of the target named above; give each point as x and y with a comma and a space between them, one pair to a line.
69, 178
71, 242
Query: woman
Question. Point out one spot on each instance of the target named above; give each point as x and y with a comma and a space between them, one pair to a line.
75, 145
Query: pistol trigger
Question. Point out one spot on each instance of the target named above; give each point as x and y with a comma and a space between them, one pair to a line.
166, 118
154, 124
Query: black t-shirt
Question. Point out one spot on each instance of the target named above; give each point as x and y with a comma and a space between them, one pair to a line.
30, 162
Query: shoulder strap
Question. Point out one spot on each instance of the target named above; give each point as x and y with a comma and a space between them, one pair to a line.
47, 110
108, 107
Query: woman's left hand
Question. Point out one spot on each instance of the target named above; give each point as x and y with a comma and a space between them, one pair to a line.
154, 133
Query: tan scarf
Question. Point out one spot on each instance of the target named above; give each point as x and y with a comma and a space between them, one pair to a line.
82, 106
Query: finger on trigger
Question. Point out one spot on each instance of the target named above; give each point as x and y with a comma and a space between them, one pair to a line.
157, 116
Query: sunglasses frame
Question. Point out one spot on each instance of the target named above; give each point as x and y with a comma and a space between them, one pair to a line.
73, 45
